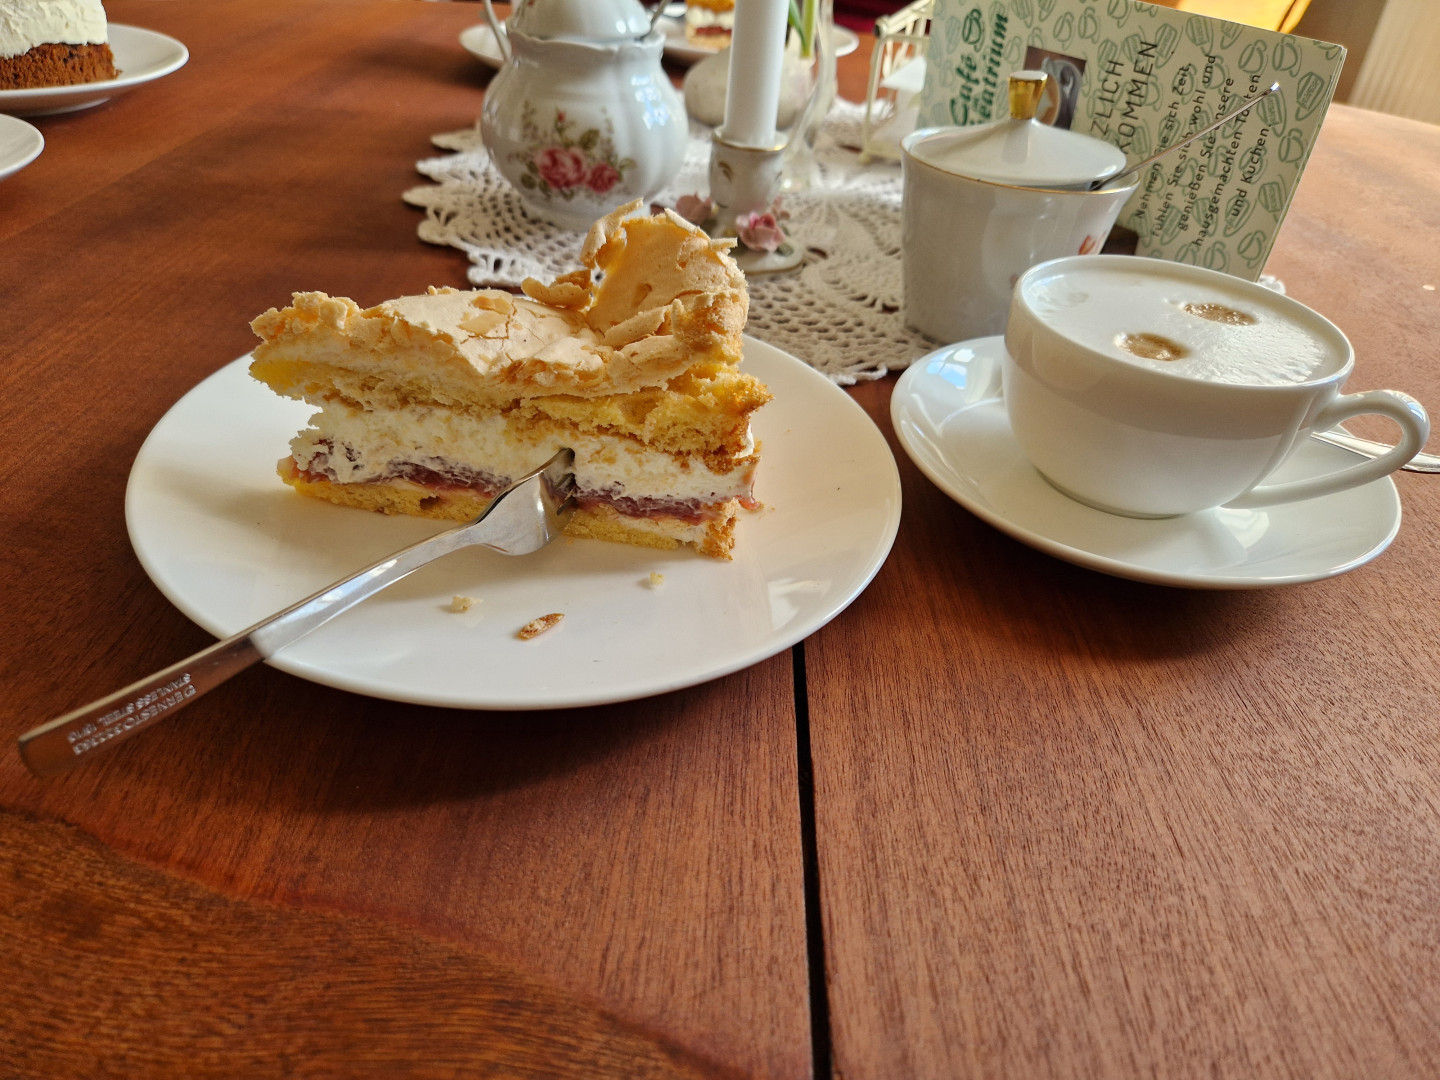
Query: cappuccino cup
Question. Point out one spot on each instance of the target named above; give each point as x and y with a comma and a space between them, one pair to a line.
1150, 388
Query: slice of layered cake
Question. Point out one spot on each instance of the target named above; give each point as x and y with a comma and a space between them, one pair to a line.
53, 43
708, 23
430, 404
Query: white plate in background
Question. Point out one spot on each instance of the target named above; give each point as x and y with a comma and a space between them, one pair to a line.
20, 144
141, 56
479, 42
678, 49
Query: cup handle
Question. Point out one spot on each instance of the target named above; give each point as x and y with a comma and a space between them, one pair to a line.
502, 39
1402, 408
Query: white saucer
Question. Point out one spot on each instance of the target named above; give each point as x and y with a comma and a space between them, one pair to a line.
949, 417
20, 144
479, 42
140, 56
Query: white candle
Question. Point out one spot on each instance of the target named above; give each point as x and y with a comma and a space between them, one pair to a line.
757, 55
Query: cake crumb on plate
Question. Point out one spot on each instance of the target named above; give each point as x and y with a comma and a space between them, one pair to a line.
536, 627
463, 603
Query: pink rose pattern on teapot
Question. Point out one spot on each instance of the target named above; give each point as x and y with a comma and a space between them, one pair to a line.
560, 164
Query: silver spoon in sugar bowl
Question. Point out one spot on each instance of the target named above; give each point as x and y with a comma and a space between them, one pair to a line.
1111, 181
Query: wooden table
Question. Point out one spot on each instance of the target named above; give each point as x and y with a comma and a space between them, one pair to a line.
1004, 817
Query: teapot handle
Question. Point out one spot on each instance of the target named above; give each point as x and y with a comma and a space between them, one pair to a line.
502, 39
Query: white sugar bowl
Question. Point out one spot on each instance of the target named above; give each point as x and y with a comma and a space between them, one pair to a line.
582, 118
983, 204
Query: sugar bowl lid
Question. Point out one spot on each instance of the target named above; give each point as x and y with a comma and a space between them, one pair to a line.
1020, 151
586, 20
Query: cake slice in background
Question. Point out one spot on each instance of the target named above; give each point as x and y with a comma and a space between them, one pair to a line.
708, 23
53, 43
431, 404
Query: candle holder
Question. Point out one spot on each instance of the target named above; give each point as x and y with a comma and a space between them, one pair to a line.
745, 184
746, 174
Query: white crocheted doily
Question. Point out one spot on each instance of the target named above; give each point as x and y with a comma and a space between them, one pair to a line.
840, 312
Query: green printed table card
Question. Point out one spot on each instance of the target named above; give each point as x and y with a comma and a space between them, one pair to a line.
1143, 77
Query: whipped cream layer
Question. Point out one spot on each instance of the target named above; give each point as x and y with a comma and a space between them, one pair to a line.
707, 22
25, 24
440, 447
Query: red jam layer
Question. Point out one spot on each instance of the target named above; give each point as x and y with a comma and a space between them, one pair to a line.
450, 477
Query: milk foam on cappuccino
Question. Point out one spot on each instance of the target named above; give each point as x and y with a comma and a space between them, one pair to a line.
1169, 322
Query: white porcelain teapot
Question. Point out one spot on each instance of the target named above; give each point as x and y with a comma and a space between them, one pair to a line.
582, 118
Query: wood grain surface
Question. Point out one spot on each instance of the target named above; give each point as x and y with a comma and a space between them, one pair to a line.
121, 970
304, 881
1073, 826
1062, 825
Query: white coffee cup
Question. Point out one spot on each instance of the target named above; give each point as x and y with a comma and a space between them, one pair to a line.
1150, 388
965, 240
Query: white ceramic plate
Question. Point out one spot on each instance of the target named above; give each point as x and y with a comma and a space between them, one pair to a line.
141, 56
681, 51
479, 42
228, 544
20, 144
952, 423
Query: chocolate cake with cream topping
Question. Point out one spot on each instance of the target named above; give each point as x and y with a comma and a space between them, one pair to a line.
53, 43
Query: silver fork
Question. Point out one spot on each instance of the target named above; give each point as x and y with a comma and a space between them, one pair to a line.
1424, 463
521, 519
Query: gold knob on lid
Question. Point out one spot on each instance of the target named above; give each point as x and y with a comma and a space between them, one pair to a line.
1026, 90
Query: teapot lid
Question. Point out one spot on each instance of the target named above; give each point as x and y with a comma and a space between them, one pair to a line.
590, 20
1022, 150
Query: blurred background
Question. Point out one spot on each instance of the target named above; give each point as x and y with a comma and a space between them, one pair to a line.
1393, 60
